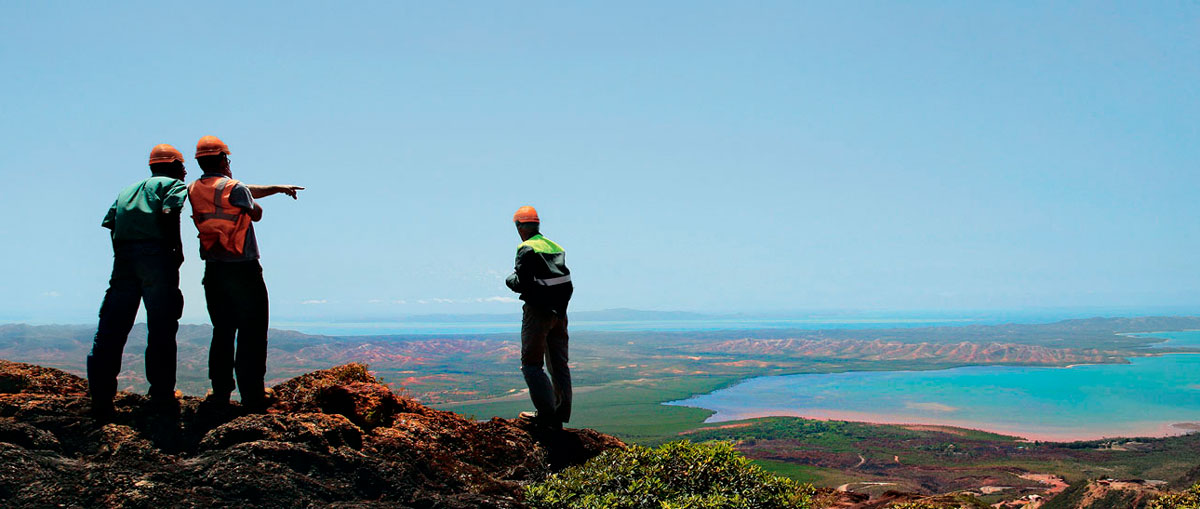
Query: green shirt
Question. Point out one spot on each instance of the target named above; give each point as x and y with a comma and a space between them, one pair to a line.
141, 209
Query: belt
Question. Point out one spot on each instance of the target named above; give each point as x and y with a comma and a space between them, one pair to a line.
553, 281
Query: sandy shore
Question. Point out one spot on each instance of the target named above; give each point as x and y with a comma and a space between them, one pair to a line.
1151, 429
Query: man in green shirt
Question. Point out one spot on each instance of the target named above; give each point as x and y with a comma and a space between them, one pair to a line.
147, 253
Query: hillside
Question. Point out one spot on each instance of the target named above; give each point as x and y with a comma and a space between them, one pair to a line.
876, 458
335, 437
340, 438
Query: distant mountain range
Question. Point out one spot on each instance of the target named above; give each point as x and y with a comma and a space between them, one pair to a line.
604, 315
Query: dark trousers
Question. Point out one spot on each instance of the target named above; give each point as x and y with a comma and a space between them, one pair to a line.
238, 308
544, 340
142, 272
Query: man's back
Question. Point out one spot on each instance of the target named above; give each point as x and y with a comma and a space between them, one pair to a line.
544, 282
137, 213
541, 275
236, 228
144, 224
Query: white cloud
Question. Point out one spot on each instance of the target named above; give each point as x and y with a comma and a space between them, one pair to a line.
387, 301
505, 300
476, 300
314, 301
52, 294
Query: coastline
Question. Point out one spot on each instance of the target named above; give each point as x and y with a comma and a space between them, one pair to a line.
1143, 429
1147, 429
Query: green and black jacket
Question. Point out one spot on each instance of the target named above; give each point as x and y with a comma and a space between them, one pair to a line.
541, 275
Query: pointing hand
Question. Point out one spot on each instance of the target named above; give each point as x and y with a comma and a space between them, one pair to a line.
289, 190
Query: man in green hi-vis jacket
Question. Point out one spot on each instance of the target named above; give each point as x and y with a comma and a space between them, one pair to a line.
544, 282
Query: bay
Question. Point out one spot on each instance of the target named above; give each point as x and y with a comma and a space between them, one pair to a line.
1182, 339
1151, 396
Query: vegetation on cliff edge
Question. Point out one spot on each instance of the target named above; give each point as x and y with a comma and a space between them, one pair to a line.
1187, 499
674, 475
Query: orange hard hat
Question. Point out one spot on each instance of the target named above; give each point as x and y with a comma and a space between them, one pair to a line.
210, 146
164, 153
526, 214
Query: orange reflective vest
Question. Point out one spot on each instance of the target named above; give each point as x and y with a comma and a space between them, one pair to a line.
219, 222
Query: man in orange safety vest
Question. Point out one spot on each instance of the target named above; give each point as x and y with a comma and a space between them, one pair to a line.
224, 211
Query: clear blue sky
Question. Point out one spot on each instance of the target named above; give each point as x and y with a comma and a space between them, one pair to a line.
709, 156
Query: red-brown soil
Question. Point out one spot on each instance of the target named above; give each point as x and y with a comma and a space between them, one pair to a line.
336, 437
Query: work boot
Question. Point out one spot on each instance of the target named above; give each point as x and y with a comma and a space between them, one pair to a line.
217, 398
533, 417
166, 405
260, 404
102, 411
165, 399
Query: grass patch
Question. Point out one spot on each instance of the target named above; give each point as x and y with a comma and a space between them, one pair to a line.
632, 410
805, 473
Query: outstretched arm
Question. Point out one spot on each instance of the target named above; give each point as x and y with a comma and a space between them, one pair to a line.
264, 191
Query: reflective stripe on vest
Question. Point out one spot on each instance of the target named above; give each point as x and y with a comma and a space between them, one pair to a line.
554, 280
218, 222
217, 194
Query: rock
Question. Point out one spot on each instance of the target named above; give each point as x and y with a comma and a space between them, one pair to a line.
18, 377
335, 437
299, 394
25, 474
369, 405
122, 444
568, 447
318, 432
27, 436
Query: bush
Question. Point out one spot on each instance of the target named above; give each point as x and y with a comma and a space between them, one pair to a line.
1187, 499
959, 501
677, 475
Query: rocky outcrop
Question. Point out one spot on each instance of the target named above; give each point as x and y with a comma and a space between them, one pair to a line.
335, 437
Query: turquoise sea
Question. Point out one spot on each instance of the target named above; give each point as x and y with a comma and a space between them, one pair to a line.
1186, 339
1152, 396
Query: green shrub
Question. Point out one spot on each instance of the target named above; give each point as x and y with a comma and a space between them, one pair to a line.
958, 501
1187, 499
677, 475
